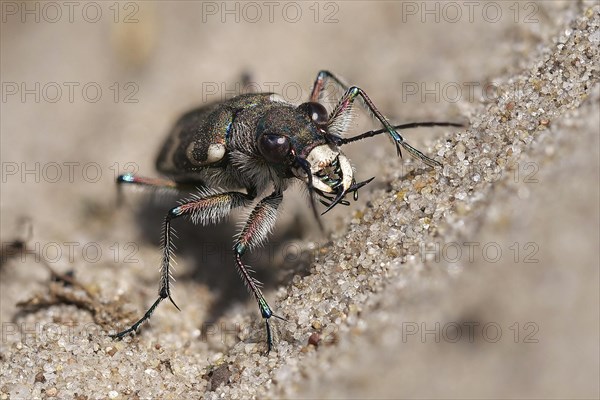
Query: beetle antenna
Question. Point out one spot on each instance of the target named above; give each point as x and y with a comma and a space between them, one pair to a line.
305, 165
339, 141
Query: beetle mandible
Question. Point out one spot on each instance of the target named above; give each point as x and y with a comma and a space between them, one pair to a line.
253, 142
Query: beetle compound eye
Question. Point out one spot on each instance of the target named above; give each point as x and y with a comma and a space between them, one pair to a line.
317, 112
274, 148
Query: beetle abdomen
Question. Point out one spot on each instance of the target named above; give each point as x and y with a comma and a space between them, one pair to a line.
197, 141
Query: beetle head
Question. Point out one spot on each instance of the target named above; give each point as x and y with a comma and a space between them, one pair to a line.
296, 141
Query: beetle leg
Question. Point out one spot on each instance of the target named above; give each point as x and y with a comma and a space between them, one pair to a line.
247, 83
153, 183
319, 85
259, 225
345, 104
343, 107
204, 209
143, 181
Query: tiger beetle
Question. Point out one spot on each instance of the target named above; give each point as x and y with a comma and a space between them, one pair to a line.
253, 142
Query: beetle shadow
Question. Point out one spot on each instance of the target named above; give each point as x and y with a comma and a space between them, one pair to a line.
208, 249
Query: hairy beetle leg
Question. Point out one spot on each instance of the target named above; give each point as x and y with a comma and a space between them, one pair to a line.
355, 92
258, 226
348, 98
204, 208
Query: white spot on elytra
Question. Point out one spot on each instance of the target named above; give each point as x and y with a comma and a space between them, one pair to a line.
215, 152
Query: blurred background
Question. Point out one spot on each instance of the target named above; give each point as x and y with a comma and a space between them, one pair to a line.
90, 89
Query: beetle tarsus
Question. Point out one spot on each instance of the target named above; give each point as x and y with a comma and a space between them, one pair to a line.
133, 328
